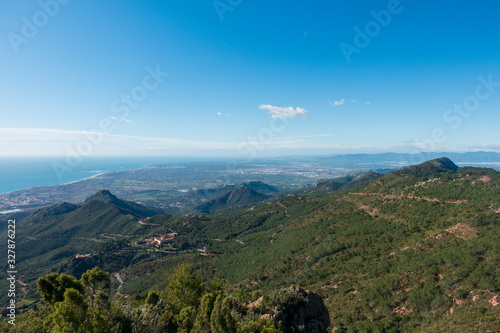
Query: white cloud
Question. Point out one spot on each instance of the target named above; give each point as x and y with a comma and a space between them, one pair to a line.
284, 113
121, 119
343, 101
310, 136
337, 103
219, 114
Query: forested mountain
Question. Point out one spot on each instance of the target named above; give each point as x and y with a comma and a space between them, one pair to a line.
52, 235
344, 183
237, 198
414, 250
101, 213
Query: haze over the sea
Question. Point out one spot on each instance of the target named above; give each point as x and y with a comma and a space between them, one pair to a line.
21, 173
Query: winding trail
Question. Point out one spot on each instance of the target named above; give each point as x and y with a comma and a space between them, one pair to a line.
286, 212
145, 223
117, 276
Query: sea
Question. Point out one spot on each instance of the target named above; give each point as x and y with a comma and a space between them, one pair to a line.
18, 173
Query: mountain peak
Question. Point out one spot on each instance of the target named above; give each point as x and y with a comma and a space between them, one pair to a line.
239, 197
444, 162
102, 195
429, 168
259, 186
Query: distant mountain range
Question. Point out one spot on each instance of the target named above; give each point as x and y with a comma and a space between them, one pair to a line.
469, 157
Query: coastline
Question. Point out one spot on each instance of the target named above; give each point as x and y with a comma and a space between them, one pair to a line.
4, 212
17, 210
100, 173
91, 165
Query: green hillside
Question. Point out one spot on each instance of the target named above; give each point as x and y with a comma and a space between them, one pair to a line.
50, 237
237, 198
415, 250
344, 183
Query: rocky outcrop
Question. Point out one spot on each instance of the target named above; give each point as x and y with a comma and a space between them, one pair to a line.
293, 310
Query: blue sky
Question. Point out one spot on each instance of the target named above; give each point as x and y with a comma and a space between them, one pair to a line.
248, 78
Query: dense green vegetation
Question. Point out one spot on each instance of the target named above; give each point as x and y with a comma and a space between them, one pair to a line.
186, 305
239, 197
416, 250
344, 183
